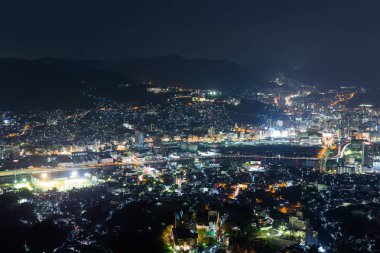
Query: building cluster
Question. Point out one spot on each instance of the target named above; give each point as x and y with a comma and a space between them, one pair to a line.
195, 173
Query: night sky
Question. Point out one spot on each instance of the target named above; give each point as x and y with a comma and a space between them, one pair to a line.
248, 31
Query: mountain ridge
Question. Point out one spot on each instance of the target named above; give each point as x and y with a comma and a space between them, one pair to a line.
57, 81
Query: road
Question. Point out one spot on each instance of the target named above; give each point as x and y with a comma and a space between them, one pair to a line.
86, 167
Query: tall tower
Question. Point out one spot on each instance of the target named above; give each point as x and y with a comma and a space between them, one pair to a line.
211, 133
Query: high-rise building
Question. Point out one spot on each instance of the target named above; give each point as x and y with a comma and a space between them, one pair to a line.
211, 132
139, 139
367, 154
376, 163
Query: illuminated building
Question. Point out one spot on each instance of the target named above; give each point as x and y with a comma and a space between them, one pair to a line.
376, 163
139, 139
367, 154
348, 169
211, 132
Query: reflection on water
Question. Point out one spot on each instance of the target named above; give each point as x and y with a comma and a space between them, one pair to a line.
273, 150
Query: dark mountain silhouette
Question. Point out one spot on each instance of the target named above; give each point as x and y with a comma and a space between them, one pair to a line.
51, 83
55, 83
176, 70
341, 71
34, 85
369, 96
197, 73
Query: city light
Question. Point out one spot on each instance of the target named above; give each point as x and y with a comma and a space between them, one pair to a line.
44, 176
74, 174
63, 184
262, 135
